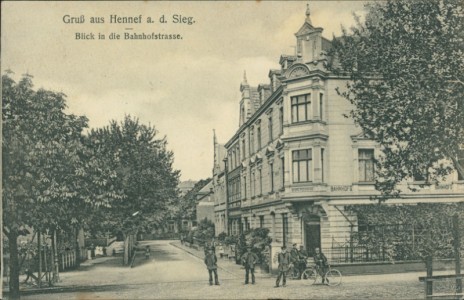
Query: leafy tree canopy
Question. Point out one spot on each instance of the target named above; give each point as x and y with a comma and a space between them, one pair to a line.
42, 152
406, 65
141, 184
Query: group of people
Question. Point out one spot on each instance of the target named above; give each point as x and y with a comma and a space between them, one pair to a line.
296, 257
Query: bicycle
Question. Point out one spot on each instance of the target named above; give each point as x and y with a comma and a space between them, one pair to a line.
333, 277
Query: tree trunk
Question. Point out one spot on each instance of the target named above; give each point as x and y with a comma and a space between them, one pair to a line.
39, 247
126, 249
429, 283
14, 264
457, 254
77, 247
56, 274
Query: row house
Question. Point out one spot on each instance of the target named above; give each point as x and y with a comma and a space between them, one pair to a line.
295, 163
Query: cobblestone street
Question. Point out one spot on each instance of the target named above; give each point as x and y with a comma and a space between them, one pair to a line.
174, 273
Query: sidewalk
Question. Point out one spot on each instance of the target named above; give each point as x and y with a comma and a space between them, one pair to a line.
30, 288
224, 264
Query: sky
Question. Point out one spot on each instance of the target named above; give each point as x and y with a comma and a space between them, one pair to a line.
184, 88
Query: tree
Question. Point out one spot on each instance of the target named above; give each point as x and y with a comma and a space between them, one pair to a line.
204, 230
406, 86
405, 63
141, 186
401, 234
41, 152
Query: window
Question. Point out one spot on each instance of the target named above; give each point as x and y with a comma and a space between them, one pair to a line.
302, 165
301, 108
283, 171
234, 159
252, 184
243, 147
461, 160
255, 183
281, 120
244, 187
260, 182
366, 165
237, 150
419, 176
271, 167
261, 221
322, 164
285, 229
321, 106
269, 124
252, 140
258, 133
234, 189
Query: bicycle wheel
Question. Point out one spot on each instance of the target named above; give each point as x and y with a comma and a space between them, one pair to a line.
333, 277
310, 275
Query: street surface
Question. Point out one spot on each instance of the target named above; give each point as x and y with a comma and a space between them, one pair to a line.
172, 273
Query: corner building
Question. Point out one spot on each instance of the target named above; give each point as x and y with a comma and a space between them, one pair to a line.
295, 162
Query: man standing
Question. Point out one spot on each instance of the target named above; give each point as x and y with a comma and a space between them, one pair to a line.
284, 264
302, 255
294, 256
294, 253
249, 259
211, 264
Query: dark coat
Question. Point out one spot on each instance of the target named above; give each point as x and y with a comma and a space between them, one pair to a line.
284, 261
249, 259
211, 261
294, 254
303, 254
320, 259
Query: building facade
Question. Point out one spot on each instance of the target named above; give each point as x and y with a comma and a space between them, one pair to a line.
205, 203
219, 188
295, 163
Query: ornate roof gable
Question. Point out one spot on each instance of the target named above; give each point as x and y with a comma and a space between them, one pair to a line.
297, 70
305, 29
359, 136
